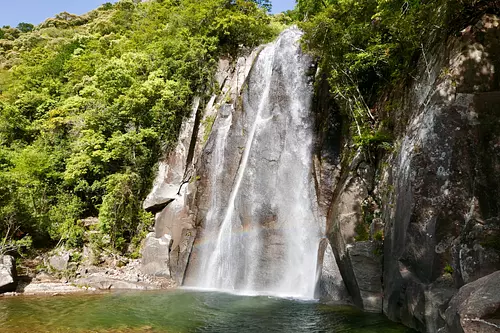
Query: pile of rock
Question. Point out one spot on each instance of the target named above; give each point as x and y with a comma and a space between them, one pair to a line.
67, 271
129, 276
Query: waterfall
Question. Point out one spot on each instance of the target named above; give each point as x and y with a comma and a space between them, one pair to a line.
262, 237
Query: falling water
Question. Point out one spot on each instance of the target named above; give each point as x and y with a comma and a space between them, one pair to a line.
263, 238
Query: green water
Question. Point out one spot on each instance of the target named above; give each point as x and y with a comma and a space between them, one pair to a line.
182, 311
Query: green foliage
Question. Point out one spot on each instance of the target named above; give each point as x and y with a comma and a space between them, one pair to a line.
207, 123
76, 257
379, 236
64, 217
491, 241
288, 17
13, 242
89, 103
119, 212
448, 269
374, 139
234, 26
365, 47
18, 246
25, 27
362, 233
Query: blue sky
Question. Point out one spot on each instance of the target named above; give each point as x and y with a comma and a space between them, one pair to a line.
36, 11
280, 5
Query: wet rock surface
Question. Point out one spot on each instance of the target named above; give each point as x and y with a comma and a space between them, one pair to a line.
175, 198
331, 287
258, 224
327, 145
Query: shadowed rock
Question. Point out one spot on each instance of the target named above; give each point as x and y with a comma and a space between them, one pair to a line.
330, 286
442, 209
476, 307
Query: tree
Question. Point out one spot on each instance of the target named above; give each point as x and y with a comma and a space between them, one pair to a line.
93, 100
25, 27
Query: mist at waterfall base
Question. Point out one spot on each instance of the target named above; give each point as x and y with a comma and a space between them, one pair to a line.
182, 311
263, 238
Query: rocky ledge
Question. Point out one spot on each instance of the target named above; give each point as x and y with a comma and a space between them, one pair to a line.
60, 275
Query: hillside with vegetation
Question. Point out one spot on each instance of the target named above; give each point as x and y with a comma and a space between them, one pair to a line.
89, 103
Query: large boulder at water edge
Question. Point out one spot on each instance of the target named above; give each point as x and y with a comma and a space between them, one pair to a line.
359, 260
8, 274
156, 255
476, 307
331, 287
366, 261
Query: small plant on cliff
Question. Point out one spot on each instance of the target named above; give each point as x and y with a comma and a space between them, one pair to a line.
448, 269
379, 236
362, 233
380, 139
208, 123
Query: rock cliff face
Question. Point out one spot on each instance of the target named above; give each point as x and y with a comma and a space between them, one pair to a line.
260, 231
442, 213
436, 196
360, 262
174, 198
264, 157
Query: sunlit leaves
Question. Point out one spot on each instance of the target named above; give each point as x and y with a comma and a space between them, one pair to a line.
366, 46
88, 102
